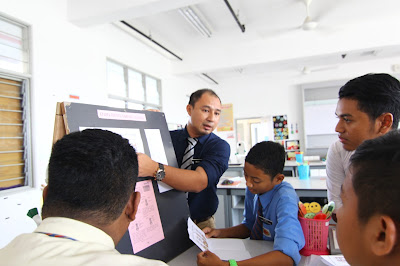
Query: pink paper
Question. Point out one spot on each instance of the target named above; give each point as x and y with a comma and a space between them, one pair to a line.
146, 229
114, 115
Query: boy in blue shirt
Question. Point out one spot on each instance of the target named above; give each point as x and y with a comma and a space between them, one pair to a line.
276, 220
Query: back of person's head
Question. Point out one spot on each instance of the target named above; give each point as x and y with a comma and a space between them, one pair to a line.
195, 96
375, 169
268, 156
91, 176
376, 94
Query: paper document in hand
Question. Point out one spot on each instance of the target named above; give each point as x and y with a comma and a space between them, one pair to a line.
228, 248
197, 235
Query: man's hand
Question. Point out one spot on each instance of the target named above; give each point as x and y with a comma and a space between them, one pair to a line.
209, 258
147, 167
211, 232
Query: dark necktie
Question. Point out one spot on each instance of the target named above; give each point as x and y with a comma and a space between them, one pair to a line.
257, 231
189, 152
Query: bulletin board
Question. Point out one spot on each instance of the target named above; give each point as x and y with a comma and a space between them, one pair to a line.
172, 204
280, 125
226, 119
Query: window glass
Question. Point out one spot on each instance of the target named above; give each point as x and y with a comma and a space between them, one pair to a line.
136, 90
129, 88
152, 91
13, 47
135, 106
115, 79
10, 28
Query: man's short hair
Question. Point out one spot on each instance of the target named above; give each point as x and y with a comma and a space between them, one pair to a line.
92, 175
376, 94
375, 169
267, 156
195, 96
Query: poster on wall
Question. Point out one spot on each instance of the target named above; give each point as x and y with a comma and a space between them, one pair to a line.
226, 119
281, 130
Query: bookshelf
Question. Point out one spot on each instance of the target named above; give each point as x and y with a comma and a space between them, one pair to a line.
291, 147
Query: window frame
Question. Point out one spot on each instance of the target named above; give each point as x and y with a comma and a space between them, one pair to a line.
127, 99
25, 78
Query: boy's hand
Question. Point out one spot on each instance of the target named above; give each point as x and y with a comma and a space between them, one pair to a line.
209, 258
211, 232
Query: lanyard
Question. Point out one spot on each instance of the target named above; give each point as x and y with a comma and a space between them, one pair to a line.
55, 235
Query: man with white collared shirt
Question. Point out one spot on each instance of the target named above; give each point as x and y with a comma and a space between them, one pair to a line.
368, 107
88, 205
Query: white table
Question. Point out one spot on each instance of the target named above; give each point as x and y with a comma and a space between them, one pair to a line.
252, 247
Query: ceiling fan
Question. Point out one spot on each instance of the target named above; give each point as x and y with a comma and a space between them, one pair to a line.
309, 23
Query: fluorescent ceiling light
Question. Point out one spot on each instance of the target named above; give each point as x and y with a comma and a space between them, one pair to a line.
190, 15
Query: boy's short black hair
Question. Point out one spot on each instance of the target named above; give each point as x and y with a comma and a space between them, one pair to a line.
268, 156
195, 96
376, 94
375, 169
92, 175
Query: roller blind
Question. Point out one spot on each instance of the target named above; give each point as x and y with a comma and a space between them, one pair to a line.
12, 152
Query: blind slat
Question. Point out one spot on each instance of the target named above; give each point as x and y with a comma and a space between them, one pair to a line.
11, 172
12, 183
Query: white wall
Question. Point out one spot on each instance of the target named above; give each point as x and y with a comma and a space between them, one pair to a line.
280, 93
68, 60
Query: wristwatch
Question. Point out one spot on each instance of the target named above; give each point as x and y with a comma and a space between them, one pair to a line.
160, 173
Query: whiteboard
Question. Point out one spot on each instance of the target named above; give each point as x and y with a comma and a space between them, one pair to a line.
320, 119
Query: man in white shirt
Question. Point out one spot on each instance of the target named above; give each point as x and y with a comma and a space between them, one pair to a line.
368, 107
88, 205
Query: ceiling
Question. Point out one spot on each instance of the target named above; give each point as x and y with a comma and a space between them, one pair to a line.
273, 40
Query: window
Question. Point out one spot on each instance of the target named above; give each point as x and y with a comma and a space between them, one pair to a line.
14, 48
129, 88
14, 151
15, 132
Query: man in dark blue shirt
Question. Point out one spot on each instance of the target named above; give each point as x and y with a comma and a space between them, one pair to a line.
202, 157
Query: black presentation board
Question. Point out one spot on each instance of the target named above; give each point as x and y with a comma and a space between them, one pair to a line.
172, 205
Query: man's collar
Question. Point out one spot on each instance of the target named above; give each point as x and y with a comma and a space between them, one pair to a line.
200, 139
